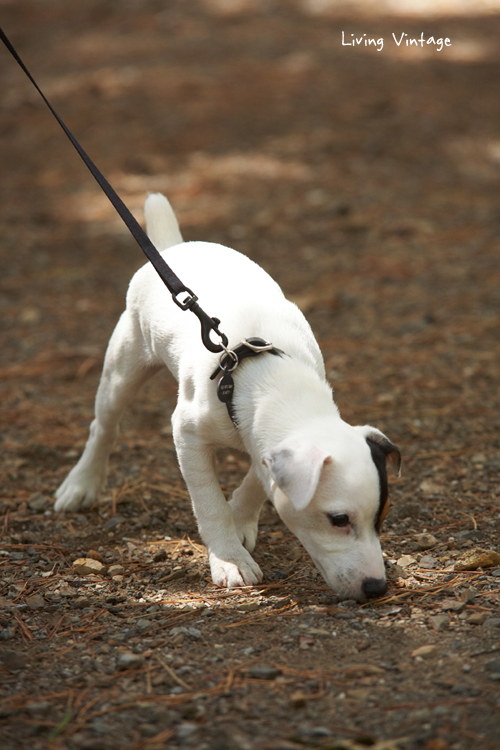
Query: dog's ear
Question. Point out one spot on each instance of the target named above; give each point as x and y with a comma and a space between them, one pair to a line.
296, 470
390, 450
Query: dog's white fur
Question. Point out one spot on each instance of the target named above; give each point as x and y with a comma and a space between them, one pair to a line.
303, 455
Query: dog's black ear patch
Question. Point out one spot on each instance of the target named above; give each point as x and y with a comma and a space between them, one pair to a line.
382, 449
390, 451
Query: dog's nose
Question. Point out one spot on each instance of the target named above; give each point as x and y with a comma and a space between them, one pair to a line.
373, 587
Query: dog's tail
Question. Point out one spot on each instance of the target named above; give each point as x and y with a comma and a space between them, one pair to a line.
161, 224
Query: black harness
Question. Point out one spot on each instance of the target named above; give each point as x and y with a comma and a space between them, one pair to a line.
230, 361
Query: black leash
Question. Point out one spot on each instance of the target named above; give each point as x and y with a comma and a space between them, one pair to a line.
169, 278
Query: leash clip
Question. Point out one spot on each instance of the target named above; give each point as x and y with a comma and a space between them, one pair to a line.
208, 324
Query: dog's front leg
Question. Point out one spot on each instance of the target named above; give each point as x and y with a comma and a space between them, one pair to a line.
246, 505
230, 563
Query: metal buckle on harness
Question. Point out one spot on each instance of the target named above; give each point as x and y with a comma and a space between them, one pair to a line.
264, 347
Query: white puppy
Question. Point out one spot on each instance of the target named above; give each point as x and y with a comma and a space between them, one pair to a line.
326, 478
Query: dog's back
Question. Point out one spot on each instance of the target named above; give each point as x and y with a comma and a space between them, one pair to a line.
230, 285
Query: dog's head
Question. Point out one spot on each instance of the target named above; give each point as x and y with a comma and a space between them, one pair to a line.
333, 495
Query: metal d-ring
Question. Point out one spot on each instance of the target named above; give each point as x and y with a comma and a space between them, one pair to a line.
232, 355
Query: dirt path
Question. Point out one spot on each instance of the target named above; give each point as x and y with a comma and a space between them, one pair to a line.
367, 183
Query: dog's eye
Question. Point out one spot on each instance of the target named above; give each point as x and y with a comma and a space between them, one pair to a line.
339, 519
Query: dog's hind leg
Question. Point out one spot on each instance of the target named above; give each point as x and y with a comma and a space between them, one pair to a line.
246, 504
127, 366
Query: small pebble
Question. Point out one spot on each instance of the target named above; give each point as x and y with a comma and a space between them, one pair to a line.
478, 558
429, 562
67, 591
430, 487
35, 602
160, 556
53, 596
39, 502
477, 618
186, 730
128, 660
92, 554
405, 560
264, 673
112, 523
85, 566
426, 541
81, 602
396, 571
144, 625
115, 570
315, 732
424, 652
298, 699
440, 622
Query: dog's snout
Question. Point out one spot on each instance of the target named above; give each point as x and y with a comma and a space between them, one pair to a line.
373, 587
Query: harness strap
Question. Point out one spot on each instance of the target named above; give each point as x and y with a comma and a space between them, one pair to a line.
169, 278
252, 347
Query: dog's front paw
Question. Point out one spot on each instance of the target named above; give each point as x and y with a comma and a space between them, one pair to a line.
78, 491
233, 571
